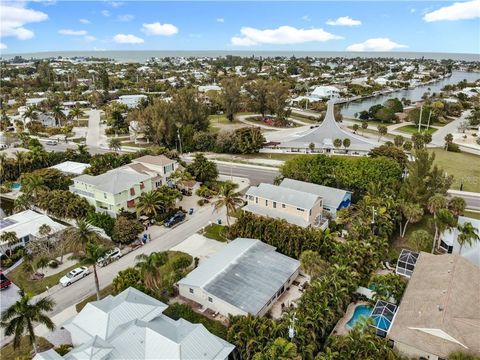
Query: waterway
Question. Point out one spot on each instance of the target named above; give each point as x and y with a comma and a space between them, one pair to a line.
349, 109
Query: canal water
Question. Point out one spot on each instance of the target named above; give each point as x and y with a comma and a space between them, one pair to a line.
349, 109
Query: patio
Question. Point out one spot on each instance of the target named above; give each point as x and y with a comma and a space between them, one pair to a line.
288, 298
210, 314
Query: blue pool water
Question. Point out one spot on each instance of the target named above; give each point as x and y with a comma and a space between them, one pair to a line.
361, 310
16, 186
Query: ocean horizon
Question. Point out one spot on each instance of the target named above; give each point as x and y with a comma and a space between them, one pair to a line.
141, 56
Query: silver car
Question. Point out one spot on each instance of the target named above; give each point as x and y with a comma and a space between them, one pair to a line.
109, 257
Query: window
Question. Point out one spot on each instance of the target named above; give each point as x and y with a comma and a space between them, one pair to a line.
142, 186
132, 191
104, 195
210, 299
158, 183
302, 210
274, 205
190, 290
283, 206
256, 200
310, 212
266, 202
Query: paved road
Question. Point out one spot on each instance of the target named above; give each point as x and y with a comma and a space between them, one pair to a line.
162, 239
94, 136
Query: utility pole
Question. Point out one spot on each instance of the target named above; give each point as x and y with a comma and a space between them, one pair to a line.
179, 139
429, 116
420, 119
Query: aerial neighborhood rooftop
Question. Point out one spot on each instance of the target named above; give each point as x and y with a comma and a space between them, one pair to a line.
239, 204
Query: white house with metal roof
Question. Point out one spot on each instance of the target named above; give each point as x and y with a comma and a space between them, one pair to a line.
26, 226
131, 326
71, 167
333, 199
296, 207
246, 277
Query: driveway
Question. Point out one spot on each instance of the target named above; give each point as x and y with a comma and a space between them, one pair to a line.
94, 135
199, 246
163, 239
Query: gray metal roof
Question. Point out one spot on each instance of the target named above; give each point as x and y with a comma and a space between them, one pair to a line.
328, 131
287, 196
332, 197
246, 274
114, 181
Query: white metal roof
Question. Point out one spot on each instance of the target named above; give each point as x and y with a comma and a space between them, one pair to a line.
71, 167
114, 181
284, 195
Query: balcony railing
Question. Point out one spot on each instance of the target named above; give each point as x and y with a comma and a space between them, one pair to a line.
74, 190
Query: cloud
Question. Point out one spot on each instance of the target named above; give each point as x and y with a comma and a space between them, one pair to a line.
344, 21
376, 44
159, 29
116, 4
14, 17
84, 21
457, 11
127, 39
306, 18
90, 38
412, 10
2, 46
72, 32
105, 13
220, 20
125, 18
280, 36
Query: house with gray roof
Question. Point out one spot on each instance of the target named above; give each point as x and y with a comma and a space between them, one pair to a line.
246, 277
295, 206
333, 199
131, 326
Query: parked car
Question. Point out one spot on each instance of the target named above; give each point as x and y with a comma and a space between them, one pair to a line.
74, 275
174, 219
4, 282
52, 142
109, 257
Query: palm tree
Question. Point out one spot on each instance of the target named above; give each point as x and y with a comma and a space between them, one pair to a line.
149, 266
150, 204
346, 143
434, 204
419, 240
457, 205
20, 317
9, 238
337, 143
76, 112
468, 235
93, 252
115, 144
79, 235
444, 221
228, 198
280, 349
413, 213
33, 184
30, 113
58, 114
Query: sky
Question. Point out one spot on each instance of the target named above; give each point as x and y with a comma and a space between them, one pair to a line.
418, 26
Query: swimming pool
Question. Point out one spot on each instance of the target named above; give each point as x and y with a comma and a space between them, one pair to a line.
360, 311
16, 186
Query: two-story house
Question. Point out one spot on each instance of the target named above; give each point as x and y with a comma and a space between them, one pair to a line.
113, 191
119, 189
296, 207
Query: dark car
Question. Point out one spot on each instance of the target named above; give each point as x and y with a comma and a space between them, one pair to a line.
174, 219
4, 282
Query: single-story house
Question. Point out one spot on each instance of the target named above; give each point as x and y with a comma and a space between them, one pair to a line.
131, 326
440, 310
245, 277
333, 199
131, 100
71, 167
449, 241
26, 226
295, 206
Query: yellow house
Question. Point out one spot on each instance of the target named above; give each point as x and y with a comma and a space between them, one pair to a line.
296, 207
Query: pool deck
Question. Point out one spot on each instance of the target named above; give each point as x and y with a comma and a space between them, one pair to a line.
341, 328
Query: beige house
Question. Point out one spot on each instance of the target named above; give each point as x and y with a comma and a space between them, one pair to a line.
440, 310
296, 207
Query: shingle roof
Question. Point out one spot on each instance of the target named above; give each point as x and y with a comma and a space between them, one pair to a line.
114, 181
246, 273
332, 197
440, 309
287, 196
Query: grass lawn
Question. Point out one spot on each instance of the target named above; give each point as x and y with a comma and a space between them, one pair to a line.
131, 143
425, 224
107, 290
412, 129
219, 119
472, 214
79, 140
373, 131
21, 278
462, 166
215, 232
23, 352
